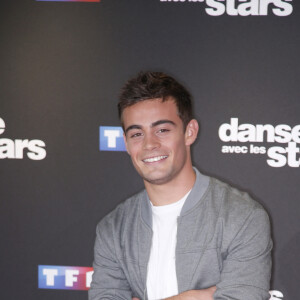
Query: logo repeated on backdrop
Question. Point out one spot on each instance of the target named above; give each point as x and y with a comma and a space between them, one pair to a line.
283, 140
284, 152
64, 277
111, 139
15, 149
243, 8
276, 295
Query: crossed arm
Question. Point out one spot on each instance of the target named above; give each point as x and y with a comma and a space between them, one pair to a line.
205, 294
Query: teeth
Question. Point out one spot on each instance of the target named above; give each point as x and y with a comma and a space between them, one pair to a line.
153, 159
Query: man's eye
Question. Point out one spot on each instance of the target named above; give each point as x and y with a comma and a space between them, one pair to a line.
163, 130
136, 135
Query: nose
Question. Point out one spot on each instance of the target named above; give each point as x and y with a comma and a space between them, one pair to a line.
151, 142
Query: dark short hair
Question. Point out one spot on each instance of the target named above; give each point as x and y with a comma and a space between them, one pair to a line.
153, 85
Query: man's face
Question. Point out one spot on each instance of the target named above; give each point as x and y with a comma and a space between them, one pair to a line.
155, 140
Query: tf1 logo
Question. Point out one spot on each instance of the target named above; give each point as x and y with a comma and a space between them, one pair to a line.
111, 139
64, 278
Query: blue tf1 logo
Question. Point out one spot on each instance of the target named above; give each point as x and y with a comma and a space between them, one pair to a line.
111, 139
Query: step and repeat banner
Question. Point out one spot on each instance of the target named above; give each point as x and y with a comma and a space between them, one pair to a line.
62, 160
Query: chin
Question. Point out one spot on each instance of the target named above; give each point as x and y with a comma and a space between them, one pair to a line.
157, 179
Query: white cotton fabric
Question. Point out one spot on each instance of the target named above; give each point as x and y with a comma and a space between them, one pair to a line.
161, 277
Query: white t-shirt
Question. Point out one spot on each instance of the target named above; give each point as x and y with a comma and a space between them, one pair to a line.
161, 277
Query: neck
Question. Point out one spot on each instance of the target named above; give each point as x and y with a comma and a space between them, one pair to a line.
172, 191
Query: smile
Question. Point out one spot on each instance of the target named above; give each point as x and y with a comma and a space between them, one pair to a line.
154, 159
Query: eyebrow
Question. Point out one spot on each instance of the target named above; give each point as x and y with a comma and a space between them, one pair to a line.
162, 122
132, 127
159, 122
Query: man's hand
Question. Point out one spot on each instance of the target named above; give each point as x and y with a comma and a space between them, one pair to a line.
205, 294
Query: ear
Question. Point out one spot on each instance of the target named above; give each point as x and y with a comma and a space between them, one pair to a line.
125, 141
191, 132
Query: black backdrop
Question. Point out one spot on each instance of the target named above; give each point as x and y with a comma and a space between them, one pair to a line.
62, 66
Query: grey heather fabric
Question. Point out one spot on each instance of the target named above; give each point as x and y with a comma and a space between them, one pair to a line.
223, 239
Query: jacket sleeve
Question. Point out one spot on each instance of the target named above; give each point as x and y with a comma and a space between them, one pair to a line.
109, 281
246, 269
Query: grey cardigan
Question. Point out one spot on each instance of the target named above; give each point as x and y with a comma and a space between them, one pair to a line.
223, 239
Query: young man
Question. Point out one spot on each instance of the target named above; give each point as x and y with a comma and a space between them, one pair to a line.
186, 236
